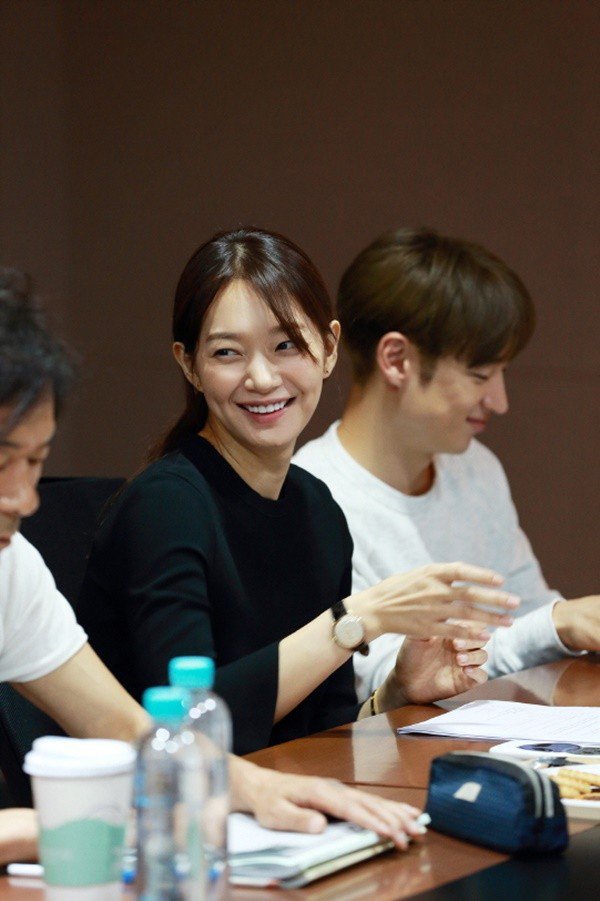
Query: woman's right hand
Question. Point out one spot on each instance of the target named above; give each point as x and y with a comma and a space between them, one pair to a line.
427, 602
302, 803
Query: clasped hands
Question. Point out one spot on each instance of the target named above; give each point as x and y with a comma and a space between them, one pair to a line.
445, 621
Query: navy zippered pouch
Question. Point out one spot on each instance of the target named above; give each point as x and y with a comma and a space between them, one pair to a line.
496, 802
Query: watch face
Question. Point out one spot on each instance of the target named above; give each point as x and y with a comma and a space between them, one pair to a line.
349, 631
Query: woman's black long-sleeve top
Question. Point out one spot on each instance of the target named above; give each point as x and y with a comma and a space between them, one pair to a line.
190, 560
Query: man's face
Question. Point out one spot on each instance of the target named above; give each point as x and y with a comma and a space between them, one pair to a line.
22, 454
445, 413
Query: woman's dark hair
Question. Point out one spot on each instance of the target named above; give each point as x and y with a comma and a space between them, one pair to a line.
280, 274
448, 296
33, 361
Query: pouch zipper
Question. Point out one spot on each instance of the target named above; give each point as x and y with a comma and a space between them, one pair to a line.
543, 797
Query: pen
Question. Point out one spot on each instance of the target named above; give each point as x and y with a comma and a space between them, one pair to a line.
25, 869
37, 870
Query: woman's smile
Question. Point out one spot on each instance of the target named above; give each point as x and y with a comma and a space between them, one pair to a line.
267, 411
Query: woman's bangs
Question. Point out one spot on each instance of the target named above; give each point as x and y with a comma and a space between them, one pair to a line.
283, 301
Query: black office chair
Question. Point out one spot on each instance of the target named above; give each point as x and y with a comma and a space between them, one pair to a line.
62, 530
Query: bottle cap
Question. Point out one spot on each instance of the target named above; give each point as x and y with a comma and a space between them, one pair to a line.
166, 703
192, 672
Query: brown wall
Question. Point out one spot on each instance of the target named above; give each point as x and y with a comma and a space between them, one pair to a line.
132, 130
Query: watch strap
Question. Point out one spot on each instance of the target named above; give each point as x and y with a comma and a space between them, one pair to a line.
338, 610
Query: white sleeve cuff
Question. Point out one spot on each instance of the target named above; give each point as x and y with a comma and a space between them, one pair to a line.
530, 641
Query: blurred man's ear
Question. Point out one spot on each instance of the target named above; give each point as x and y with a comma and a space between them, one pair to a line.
395, 356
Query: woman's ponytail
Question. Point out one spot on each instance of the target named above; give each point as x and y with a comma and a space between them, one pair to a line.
190, 422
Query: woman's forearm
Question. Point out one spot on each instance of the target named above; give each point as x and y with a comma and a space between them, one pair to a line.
422, 603
306, 658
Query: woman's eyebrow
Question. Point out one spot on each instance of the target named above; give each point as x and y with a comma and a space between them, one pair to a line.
235, 336
220, 336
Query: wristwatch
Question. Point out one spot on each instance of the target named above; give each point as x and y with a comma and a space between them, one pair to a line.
348, 630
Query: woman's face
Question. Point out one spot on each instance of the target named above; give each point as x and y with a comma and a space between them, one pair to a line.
260, 389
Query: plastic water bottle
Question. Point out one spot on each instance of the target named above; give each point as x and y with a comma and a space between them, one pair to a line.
210, 719
170, 790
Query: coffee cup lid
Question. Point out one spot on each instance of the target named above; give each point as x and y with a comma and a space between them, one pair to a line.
64, 757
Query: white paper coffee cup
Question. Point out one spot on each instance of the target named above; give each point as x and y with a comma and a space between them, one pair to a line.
82, 792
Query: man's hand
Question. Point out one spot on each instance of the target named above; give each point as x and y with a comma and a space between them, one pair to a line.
18, 834
434, 668
577, 623
301, 803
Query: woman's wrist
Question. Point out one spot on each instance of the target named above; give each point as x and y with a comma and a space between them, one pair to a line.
245, 783
380, 701
363, 604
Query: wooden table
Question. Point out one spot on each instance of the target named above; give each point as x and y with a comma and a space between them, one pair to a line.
370, 754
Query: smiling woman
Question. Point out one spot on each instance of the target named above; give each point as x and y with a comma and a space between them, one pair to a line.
261, 386
260, 266
221, 548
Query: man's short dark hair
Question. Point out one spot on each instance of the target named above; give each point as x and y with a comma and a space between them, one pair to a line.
33, 361
451, 298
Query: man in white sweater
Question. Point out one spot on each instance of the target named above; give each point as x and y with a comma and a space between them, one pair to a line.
430, 324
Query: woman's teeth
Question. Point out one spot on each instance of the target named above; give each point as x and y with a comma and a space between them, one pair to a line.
266, 408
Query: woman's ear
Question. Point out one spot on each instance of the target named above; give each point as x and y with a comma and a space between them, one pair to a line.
185, 362
331, 347
393, 356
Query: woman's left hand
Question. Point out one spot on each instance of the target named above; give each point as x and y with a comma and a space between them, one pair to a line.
429, 669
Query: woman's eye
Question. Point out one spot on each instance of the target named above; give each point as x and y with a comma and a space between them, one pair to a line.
224, 352
286, 345
480, 376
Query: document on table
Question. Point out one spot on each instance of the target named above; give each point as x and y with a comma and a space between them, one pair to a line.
269, 858
510, 720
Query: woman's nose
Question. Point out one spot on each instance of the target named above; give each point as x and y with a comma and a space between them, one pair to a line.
262, 375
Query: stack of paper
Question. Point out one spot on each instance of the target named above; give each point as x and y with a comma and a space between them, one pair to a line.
483, 720
268, 858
